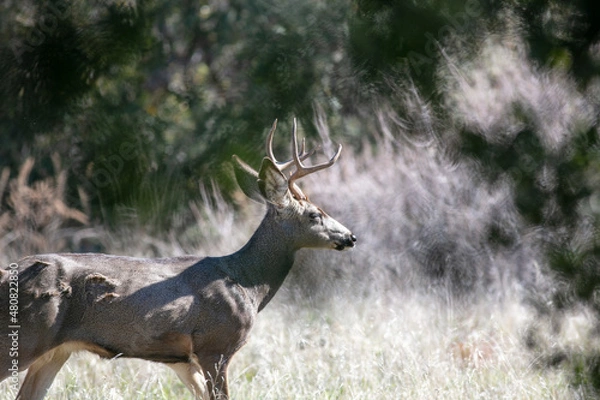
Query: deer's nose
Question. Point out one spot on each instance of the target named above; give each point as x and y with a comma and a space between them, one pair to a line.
350, 241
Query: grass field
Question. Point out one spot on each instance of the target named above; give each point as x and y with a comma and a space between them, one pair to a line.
405, 348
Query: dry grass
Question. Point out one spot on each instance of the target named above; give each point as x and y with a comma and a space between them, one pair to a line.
411, 347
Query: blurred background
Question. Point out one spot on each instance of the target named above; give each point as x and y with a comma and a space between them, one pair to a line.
471, 161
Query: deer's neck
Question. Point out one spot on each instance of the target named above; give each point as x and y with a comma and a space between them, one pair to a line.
263, 263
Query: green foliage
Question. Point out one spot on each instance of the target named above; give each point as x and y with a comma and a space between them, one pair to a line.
142, 95
147, 93
387, 38
561, 34
586, 372
55, 50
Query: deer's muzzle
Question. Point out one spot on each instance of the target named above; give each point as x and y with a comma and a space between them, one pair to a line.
347, 243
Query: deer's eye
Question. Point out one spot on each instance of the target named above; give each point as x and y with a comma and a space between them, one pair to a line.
315, 217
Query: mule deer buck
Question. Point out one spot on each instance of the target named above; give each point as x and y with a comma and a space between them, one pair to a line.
190, 313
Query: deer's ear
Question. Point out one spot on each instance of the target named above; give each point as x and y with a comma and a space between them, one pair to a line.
272, 183
247, 178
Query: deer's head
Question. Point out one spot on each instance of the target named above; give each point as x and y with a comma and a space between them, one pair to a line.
299, 219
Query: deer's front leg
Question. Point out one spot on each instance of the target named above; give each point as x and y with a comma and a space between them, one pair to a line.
42, 372
215, 372
191, 375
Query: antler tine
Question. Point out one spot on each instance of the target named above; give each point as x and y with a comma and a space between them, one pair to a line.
301, 169
282, 165
269, 143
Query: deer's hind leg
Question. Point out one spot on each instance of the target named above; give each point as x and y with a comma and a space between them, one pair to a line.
42, 372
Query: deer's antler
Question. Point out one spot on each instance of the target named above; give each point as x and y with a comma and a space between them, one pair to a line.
283, 165
301, 169
298, 157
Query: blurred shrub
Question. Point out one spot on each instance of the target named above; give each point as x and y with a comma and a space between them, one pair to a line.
535, 128
423, 222
36, 216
